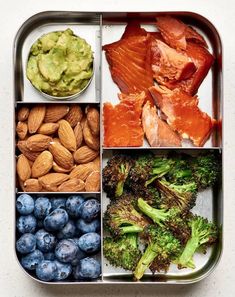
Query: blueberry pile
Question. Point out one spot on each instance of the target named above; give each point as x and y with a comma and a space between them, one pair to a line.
58, 238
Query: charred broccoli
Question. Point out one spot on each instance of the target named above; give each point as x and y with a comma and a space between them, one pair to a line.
150, 194
121, 217
162, 247
115, 174
202, 233
123, 252
141, 170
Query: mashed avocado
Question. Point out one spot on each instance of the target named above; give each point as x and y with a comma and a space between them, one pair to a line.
60, 64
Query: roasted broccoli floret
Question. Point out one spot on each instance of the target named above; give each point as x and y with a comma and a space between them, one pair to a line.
181, 196
150, 194
121, 217
115, 174
202, 233
122, 252
162, 247
205, 170
141, 170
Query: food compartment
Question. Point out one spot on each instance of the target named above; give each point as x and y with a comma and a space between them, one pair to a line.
173, 127
57, 148
201, 194
58, 237
84, 25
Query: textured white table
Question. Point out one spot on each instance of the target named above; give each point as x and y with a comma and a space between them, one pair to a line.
13, 281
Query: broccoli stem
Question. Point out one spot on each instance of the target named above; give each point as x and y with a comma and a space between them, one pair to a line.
145, 261
131, 229
119, 189
157, 215
185, 260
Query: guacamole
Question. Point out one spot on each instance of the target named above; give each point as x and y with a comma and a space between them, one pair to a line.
60, 64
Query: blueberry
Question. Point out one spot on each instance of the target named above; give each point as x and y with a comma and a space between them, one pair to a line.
42, 207
45, 241
73, 205
90, 210
66, 250
31, 260
89, 242
68, 231
58, 203
40, 224
26, 243
80, 254
49, 256
87, 268
46, 270
56, 220
26, 224
63, 270
25, 204
86, 227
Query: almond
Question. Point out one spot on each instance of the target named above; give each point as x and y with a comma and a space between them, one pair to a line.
92, 183
82, 171
85, 154
20, 184
96, 161
59, 169
23, 114
90, 140
24, 150
93, 120
72, 185
22, 130
32, 185
83, 122
78, 134
48, 128
23, 168
36, 117
43, 164
61, 155
50, 181
74, 115
56, 139
38, 142
55, 112
66, 135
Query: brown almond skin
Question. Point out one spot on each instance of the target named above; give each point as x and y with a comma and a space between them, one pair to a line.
24, 150
74, 115
23, 168
48, 128
93, 120
85, 154
32, 185
72, 185
66, 135
78, 134
50, 181
92, 183
22, 114
92, 141
38, 142
55, 112
43, 164
36, 117
22, 130
82, 171
59, 169
61, 155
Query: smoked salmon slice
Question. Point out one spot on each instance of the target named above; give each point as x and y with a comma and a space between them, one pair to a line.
122, 122
183, 114
158, 132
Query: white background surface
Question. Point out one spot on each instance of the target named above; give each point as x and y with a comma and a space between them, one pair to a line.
13, 282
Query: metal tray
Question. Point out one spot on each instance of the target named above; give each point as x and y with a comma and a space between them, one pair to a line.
102, 28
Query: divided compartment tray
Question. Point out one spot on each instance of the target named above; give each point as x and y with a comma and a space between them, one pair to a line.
102, 28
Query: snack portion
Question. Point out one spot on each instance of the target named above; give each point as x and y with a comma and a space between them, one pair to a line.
60, 64
58, 148
58, 239
174, 59
150, 221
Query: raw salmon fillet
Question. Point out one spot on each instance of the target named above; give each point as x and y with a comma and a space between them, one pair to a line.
158, 132
183, 114
122, 122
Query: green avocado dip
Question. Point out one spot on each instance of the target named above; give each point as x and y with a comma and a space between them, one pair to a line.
60, 64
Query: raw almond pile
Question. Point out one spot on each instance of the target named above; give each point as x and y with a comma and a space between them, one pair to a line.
59, 148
